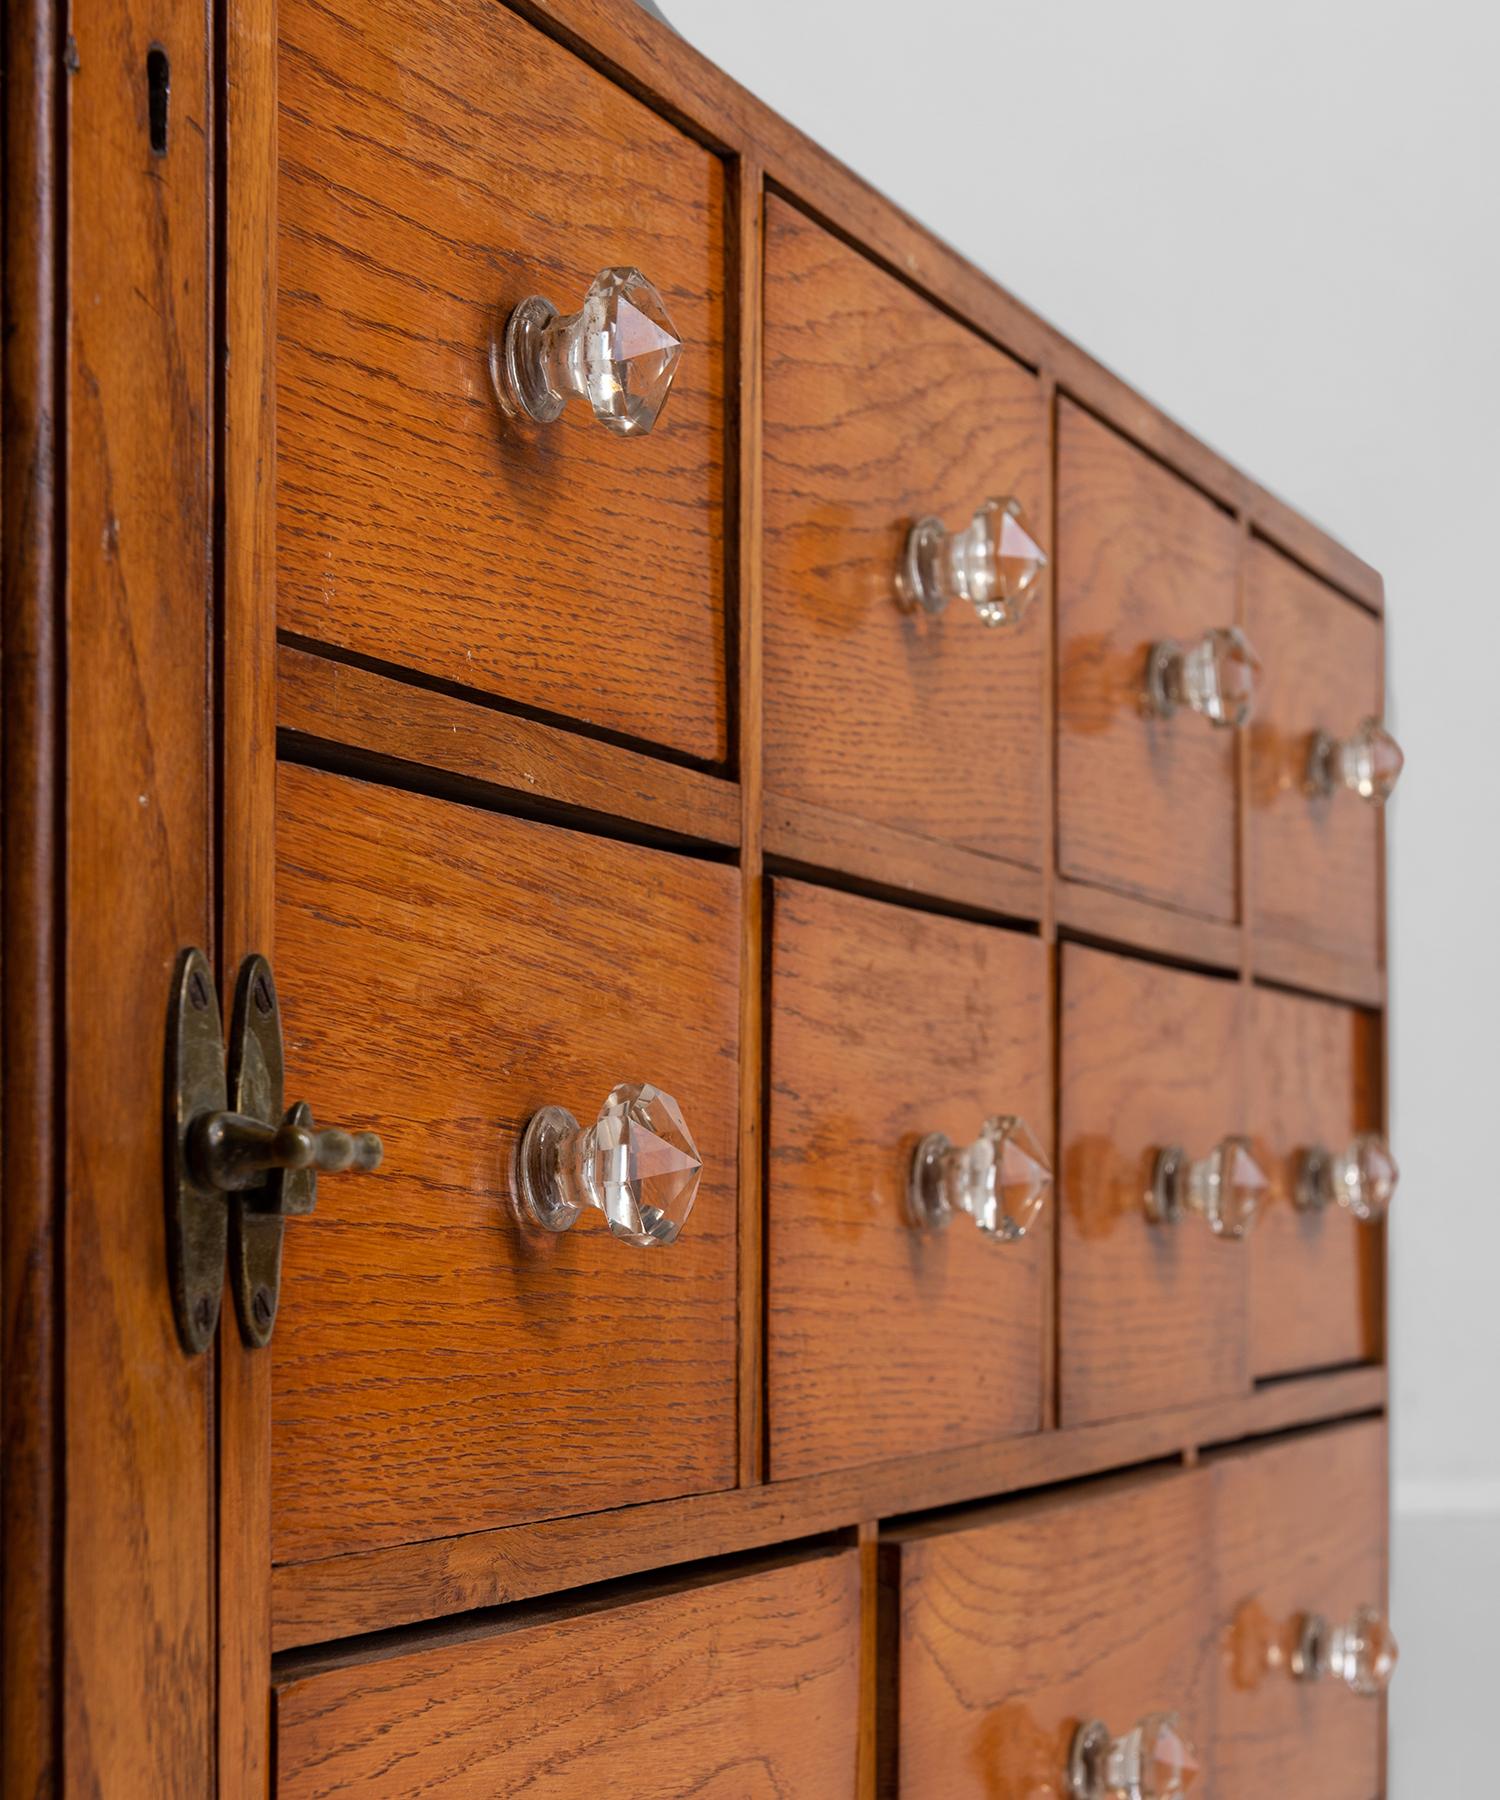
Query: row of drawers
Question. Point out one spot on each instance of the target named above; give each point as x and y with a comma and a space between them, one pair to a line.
586, 574
442, 1366
1001, 1634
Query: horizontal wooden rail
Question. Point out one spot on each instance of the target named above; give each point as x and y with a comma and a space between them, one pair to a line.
373, 1590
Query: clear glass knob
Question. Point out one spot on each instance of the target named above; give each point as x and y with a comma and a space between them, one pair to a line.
1368, 764
1362, 1653
1000, 1180
1225, 1187
637, 1164
619, 352
1214, 676
1155, 1761
1362, 1178
994, 564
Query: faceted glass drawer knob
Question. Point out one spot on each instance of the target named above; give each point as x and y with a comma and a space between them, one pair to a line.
1000, 1180
619, 352
1368, 764
994, 564
1155, 1761
1362, 1179
637, 1164
1226, 1187
1214, 676
1362, 1654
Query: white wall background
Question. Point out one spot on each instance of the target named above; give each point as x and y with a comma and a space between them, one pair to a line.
1279, 219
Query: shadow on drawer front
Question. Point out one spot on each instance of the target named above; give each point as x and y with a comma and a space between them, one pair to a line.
442, 1366
561, 565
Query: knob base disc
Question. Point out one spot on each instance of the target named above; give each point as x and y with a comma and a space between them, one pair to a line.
537, 1190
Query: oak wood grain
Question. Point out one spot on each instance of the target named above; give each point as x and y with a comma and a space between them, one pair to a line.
735, 1690
1316, 1278
1299, 1527
1017, 1624
521, 760
437, 167
138, 1530
438, 1366
887, 1024
879, 410
1145, 805
338, 1595
1314, 863
1149, 1315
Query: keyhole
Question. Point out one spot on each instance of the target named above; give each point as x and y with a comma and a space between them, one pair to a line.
158, 87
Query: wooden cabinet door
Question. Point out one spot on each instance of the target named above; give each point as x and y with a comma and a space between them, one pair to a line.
1299, 1528
1008, 1629
1149, 1316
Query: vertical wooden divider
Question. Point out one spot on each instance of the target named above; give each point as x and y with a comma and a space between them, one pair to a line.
1052, 990
246, 670
749, 242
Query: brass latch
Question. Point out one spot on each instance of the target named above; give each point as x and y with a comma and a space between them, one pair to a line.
238, 1166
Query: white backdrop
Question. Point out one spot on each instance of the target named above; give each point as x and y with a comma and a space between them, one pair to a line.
1279, 219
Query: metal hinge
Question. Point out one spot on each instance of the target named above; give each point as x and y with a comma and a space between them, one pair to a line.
237, 1165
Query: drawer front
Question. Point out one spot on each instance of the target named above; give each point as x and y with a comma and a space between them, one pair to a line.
1316, 1277
1300, 1528
1149, 1316
879, 410
1011, 1632
439, 1366
1314, 862
744, 1689
420, 199
1145, 805
885, 1339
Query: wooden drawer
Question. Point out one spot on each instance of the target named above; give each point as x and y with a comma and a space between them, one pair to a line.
420, 199
880, 409
1010, 1628
1299, 1527
439, 1367
885, 1340
1146, 806
1314, 862
1316, 1278
1149, 1316
741, 1688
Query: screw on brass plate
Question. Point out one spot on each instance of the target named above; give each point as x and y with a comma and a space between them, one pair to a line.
263, 1000
261, 1307
198, 991
203, 1313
